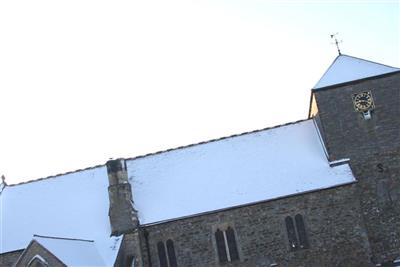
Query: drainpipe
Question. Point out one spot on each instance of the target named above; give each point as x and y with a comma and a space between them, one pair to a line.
146, 239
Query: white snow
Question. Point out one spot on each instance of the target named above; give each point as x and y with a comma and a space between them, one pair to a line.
338, 162
239, 170
347, 68
40, 258
72, 252
230, 172
73, 205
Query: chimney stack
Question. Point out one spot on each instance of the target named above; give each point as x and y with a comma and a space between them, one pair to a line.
123, 217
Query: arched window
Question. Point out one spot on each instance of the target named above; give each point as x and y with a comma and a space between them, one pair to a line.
226, 245
161, 254
37, 261
296, 232
171, 253
291, 233
166, 255
301, 231
230, 237
219, 238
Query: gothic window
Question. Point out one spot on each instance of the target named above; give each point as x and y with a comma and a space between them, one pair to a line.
37, 261
161, 254
219, 238
296, 232
301, 231
226, 245
291, 233
171, 253
230, 238
166, 254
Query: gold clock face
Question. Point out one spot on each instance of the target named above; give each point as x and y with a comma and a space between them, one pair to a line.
363, 101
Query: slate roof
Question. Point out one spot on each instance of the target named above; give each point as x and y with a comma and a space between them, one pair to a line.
347, 68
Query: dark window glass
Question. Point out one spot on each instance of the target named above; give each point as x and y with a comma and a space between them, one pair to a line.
171, 253
161, 254
291, 232
219, 237
230, 236
301, 231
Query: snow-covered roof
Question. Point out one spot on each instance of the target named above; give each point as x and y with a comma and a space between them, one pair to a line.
347, 68
72, 252
73, 205
229, 172
234, 171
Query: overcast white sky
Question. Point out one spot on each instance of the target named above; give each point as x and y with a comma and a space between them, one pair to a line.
83, 81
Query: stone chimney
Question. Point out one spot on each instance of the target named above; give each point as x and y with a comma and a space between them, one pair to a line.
123, 217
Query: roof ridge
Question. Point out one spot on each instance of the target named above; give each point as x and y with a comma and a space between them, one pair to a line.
63, 238
162, 151
374, 62
56, 175
217, 139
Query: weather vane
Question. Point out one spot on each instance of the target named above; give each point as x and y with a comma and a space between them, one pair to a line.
333, 36
3, 184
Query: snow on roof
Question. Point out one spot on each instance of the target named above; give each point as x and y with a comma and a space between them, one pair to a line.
72, 252
73, 205
231, 172
244, 169
347, 68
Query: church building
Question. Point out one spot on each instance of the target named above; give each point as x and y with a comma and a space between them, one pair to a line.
319, 192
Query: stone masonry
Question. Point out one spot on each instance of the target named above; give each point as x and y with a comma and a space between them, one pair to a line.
34, 249
374, 149
351, 225
9, 258
333, 221
123, 217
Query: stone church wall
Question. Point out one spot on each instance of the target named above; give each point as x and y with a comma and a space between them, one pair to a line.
346, 132
8, 259
379, 188
35, 249
332, 220
374, 149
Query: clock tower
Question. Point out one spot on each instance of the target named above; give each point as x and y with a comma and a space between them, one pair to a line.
356, 107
